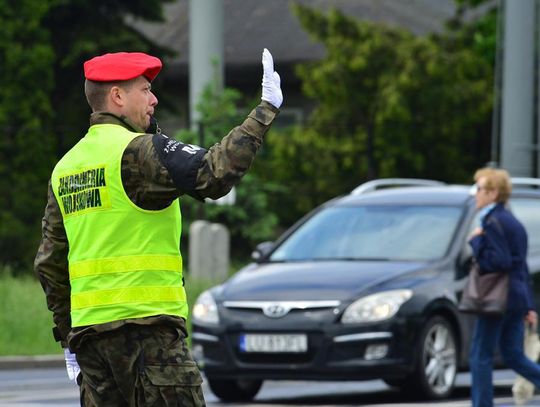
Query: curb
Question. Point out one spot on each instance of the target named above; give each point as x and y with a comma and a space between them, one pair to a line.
31, 362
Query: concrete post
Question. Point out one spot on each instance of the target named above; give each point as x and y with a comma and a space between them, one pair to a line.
517, 116
206, 34
220, 251
209, 251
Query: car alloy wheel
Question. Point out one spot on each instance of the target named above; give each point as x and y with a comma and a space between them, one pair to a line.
437, 366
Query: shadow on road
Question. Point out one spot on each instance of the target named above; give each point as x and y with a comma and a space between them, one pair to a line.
386, 396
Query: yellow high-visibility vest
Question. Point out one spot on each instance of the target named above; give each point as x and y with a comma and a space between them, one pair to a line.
124, 261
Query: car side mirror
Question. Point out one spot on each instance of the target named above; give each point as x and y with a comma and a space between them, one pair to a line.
261, 250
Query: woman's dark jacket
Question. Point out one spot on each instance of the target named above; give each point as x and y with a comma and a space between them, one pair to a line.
503, 247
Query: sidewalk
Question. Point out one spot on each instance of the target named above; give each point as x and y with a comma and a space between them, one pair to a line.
30, 362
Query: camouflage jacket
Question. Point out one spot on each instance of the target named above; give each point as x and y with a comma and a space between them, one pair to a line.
155, 171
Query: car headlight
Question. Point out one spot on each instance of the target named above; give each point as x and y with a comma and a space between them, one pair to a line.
205, 309
376, 307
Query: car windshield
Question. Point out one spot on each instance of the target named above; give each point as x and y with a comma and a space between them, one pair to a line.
382, 232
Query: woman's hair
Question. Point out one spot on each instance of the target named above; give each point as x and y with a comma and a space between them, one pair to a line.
497, 179
96, 92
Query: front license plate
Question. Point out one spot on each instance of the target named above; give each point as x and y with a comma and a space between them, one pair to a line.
266, 343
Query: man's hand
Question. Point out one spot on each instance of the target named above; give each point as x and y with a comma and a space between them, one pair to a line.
72, 366
271, 82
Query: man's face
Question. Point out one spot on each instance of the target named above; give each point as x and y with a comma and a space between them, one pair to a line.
140, 102
484, 196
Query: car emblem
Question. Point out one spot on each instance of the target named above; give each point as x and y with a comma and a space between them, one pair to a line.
275, 310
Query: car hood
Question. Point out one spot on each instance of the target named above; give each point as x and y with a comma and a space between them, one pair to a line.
329, 280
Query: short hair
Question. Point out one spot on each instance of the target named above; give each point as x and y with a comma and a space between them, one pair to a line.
497, 179
96, 92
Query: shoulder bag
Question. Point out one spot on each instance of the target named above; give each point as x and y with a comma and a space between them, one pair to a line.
485, 293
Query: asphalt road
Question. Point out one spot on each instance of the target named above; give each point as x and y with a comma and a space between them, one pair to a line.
50, 387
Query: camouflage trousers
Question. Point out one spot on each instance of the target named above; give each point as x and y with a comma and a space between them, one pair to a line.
136, 366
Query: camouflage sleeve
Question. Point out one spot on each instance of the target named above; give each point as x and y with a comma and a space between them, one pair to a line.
51, 267
227, 161
146, 181
156, 169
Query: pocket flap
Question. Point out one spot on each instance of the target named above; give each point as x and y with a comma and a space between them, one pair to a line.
183, 374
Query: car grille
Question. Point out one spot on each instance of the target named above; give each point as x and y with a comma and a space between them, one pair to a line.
274, 359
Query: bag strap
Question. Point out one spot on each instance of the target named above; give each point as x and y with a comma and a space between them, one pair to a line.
492, 220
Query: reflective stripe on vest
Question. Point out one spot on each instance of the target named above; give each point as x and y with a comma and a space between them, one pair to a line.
124, 262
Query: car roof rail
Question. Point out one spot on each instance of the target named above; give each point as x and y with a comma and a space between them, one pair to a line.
393, 182
525, 182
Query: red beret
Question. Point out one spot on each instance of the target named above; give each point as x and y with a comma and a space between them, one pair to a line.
121, 66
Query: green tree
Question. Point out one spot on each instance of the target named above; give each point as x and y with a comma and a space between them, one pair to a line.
479, 34
388, 104
26, 58
444, 107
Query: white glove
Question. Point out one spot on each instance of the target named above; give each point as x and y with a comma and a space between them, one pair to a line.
72, 366
271, 90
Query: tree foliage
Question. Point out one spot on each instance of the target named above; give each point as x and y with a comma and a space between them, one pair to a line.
26, 58
389, 104
478, 33
43, 111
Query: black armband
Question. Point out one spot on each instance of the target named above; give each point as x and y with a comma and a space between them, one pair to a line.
181, 160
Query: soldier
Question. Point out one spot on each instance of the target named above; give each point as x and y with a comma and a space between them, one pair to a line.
109, 259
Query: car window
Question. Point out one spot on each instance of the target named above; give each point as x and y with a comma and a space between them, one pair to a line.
382, 232
527, 210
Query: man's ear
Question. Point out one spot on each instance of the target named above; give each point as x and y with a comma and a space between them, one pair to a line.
116, 96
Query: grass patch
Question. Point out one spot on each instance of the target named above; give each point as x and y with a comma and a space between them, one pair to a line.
26, 322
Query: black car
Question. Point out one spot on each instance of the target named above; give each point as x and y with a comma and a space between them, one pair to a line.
364, 287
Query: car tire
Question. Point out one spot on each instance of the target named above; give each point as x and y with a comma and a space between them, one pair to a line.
234, 390
436, 364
